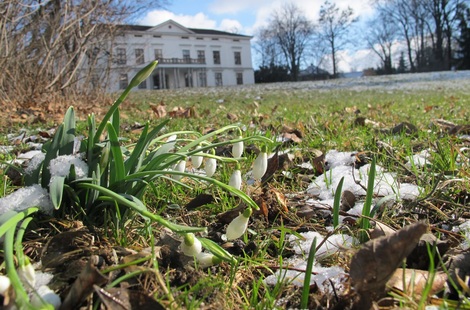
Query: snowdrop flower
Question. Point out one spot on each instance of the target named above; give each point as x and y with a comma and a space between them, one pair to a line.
260, 165
237, 148
27, 274
207, 259
196, 160
238, 225
236, 178
210, 166
44, 295
191, 246
4, 284
180, 166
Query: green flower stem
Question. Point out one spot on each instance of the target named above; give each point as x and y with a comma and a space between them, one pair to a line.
112, 196
15, 219
22, 299
122, 266
18, 242
138, 78
157, 173
182, 132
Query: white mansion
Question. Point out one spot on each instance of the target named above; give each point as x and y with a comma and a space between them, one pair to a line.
187, 57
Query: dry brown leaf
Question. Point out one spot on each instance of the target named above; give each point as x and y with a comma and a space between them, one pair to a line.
124, 299
273, 166
373, 265
232, 117
180, 112
83, 285
159, 110
415, 281
348, 200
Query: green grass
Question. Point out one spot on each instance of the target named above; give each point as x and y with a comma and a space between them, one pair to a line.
326, 119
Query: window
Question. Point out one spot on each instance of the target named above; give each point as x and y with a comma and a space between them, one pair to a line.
218, 79
202, 79
158, 53
186, 38
186, 56
121, 56
157, 36
139, 56
215, 39
238, 58
239, 78
138, 35
143, 85
199, 38
216, 56
123, 82
201, 57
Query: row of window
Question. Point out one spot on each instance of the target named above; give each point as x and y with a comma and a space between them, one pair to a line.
121, 56
183, 37
124, 80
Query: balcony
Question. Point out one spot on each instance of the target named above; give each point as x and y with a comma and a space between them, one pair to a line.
181, 61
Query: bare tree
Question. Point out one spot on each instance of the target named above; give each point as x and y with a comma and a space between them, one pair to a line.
427, 27
380, 36
290, 32
267, 47
334, 26
43, 44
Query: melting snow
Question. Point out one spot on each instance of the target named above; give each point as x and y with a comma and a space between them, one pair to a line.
27, 197
60, 166
321, 276
340, 164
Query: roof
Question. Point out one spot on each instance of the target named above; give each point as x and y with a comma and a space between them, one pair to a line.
216, 32
194, 30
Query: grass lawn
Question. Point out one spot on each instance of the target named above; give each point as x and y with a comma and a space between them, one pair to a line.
120, 222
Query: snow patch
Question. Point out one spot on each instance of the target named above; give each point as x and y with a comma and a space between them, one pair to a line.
27, 197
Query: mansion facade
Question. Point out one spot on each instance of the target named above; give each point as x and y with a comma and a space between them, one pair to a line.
187, 57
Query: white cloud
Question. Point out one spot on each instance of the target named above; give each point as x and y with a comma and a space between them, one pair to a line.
231, 25
199, 20
234, 7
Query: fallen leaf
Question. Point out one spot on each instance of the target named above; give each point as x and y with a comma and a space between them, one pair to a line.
83, 285
125, 299
159, 110
415, 281
375, 263
199, 200
273, 166
348, 200
232, 117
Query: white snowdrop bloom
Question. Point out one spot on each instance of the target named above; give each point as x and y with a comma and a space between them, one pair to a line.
207, 259
260, 165
210, 166
44, 295
238, 225
191, 246
196, 160
4, 284
180, 167
236, 179
27, 275
237, 149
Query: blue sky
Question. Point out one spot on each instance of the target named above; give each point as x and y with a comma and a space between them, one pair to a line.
246, 16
